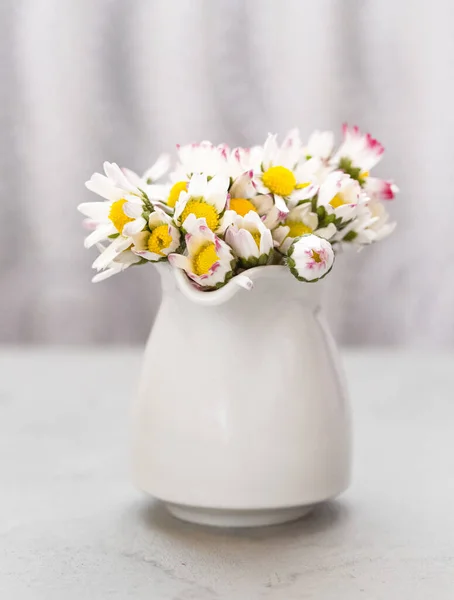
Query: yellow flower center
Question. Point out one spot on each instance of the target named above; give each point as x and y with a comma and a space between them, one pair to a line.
337, 201
117, 215
316, 256
297, 228
256, 235
363, 176
204, 259
200, 208
242, 206
301, 186
160, 239
175, 191
279, 180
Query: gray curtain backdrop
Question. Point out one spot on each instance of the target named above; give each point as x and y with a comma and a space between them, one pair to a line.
89, 80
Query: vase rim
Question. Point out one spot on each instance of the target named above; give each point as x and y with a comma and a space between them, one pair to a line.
230, 289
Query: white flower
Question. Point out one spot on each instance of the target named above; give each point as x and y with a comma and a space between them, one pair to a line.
300, 221
340, 196
159, 240
204, 199
311, 175
113, 185
310, 258
151, 175
370, 225
209, 261
380, 227
358, 153
379, 189
202, 157
239, 160
244, 198
108, 218
249, 238
277, 171
320, 145
121, 262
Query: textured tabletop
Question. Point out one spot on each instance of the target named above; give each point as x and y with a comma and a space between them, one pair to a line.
72, 527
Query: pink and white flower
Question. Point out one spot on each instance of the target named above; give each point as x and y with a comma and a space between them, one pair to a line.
310, 258
380, 189
208, 260
361, 149
249, 238
203, 157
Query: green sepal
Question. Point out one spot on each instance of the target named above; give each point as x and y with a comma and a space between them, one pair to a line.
141, 262
321, 213
350, 236
314, 201
227, 278
306, 201
252, 261
113, 236
346, 165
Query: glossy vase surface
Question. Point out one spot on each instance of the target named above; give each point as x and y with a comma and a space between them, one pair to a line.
242, 416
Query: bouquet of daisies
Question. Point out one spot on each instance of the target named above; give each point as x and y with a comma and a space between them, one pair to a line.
223, 211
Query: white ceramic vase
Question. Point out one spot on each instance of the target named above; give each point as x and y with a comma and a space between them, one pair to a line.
242, 417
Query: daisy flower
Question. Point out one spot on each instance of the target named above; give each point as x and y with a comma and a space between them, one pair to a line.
108, 218
371, 225
208, 261
244, 198
278, 171
339, 196
300, 221
358, 153
310, 258
204, 199
250, 239
159, 240
203, 157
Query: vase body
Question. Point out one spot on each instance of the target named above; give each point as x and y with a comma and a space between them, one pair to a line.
242, 417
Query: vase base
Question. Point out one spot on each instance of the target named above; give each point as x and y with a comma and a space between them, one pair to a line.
215, 517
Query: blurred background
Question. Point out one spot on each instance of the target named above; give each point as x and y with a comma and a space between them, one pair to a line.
94, 80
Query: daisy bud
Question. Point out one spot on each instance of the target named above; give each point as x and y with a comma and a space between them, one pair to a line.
250, 240
310, 258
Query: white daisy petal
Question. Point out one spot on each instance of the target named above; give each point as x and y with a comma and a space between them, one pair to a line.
98, 211
198, 185
101, 185
160, 167
134, 226
106, 257
100, 234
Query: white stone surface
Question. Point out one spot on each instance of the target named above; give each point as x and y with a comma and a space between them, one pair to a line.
73, 528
